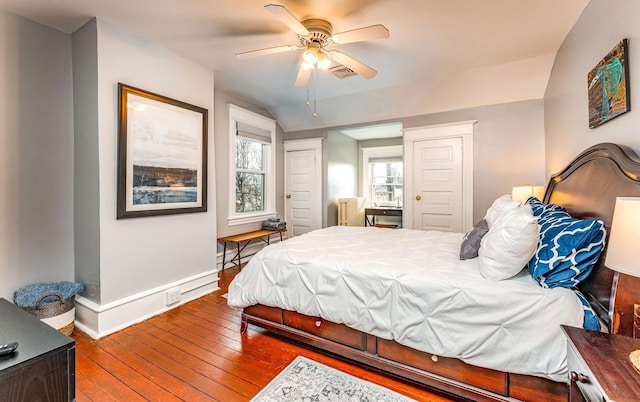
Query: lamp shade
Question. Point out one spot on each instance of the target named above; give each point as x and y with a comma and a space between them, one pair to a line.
623, 253
522, 193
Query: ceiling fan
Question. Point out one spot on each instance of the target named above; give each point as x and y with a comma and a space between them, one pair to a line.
315, 36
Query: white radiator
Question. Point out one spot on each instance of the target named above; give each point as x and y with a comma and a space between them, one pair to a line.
351, 211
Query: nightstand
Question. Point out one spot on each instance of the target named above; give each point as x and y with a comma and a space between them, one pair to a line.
599, 366
43, 366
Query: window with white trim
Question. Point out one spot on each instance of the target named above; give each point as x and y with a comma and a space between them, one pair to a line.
386, 182
252, 169
250, 175
382, 178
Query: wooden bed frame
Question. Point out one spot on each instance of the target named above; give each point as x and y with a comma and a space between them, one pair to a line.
587, 187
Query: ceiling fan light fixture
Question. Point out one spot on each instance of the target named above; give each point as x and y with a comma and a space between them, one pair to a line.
323, 61
314, 35
311, 56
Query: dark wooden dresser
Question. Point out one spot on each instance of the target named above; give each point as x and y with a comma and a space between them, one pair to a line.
599, 366
43, 366
373, 212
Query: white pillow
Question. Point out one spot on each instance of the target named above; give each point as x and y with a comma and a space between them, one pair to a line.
509, 244
501, 205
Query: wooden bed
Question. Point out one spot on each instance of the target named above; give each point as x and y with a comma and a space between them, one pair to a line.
587, 187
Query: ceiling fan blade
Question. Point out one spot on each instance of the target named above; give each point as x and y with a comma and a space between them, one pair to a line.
281, 13
269, 50
303, 76
361, 34
347, 61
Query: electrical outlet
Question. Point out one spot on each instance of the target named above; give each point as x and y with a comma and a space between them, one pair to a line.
173, 296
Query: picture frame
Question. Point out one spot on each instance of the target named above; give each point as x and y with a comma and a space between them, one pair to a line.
162, 155
608, 86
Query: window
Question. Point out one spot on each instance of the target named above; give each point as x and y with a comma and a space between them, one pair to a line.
250, 175
382, 179
251, 181
386, 183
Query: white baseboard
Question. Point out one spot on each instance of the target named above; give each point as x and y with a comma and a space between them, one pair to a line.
101, 320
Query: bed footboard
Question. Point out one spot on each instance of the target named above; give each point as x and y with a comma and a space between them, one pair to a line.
442, 374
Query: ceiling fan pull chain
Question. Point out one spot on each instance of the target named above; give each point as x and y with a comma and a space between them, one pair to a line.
314, 94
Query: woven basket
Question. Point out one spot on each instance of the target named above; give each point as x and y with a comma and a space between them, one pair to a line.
59, 314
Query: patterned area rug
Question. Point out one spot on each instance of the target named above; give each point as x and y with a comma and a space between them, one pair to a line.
307, 380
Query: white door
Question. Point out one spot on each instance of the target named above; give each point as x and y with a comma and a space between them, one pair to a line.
437, 184
302, 192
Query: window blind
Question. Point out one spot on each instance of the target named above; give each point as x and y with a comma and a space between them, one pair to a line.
386, 159
250, 132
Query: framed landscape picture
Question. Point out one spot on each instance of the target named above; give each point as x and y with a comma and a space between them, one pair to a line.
162, 155
608, 84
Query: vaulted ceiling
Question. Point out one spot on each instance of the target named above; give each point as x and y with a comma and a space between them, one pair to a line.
440, 55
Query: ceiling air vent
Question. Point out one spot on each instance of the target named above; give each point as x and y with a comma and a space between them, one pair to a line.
342, 71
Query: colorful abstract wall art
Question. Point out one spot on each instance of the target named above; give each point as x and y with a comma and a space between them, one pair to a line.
609, 86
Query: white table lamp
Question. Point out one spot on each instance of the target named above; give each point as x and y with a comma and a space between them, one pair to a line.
397, 194
522, 193
623, 253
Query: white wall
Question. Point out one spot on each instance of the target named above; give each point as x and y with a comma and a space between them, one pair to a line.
508, 142
137, 257
222, 163
508, 146
86, 167
602, 25
342, 172
36, 155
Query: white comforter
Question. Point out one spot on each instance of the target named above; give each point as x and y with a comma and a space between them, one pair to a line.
410, 286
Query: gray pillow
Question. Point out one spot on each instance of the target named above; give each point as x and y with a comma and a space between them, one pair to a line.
471, 241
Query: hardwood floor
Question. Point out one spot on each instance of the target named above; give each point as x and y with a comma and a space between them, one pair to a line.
196, 352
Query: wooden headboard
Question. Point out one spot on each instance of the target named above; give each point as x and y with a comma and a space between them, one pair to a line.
588, 188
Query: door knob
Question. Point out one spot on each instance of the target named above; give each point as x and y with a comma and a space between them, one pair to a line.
288, 195
418, 197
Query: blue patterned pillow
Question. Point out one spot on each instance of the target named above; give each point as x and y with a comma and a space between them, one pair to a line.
568, 247
538, 207
590, 320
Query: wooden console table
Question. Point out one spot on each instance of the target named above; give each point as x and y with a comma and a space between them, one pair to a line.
43, 366
373, 212
245, 238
